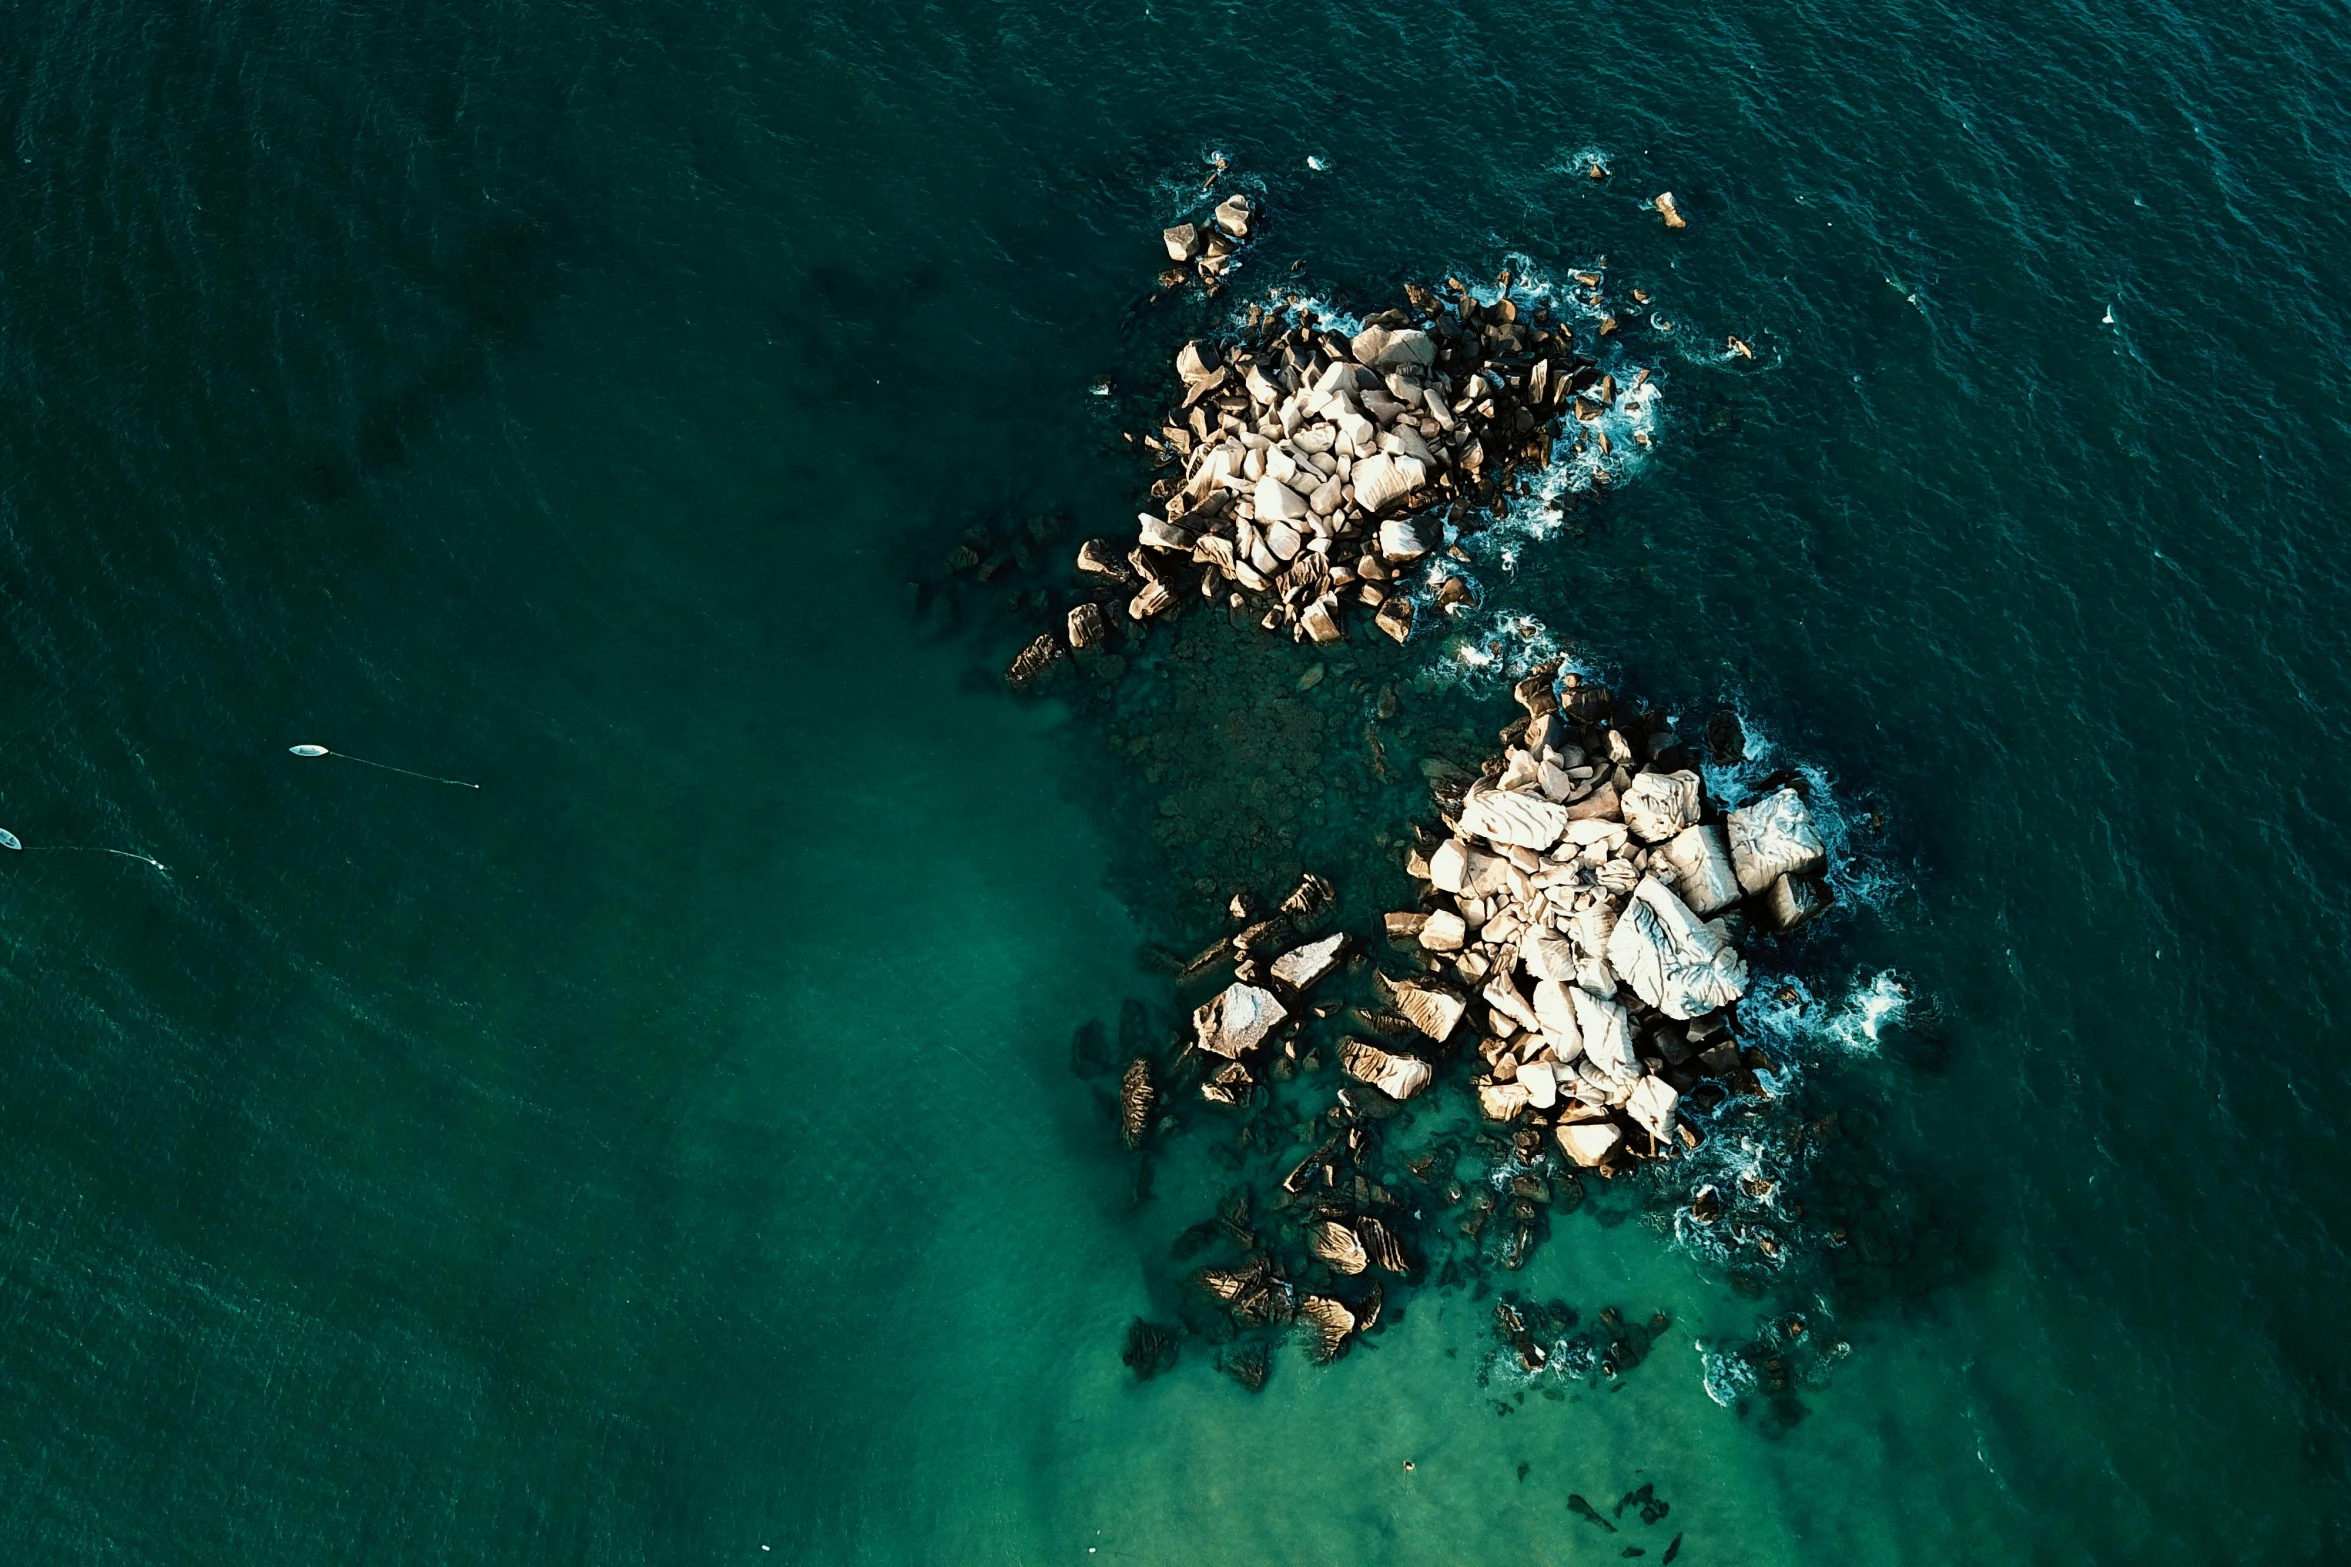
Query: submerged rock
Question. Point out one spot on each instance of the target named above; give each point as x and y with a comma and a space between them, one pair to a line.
1150, 1349
1136, 1095
1034, 660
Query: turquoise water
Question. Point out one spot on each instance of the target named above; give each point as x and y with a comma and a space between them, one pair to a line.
672, 1150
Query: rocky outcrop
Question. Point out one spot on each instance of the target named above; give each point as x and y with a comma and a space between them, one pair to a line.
1301, 466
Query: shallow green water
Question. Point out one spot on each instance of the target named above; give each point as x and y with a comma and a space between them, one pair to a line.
671, 1149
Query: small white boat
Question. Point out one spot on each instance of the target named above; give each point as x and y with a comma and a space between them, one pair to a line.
9, 840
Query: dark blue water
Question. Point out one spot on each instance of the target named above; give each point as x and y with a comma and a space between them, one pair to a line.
670, 1149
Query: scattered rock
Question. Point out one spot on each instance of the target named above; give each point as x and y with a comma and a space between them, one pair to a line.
1393, 1073
1302, 966
1088, 627
1237, 1020
1034, 660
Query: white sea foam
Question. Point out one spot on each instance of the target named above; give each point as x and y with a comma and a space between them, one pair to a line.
1726, 1375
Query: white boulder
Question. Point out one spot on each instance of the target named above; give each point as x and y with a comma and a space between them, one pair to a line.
1394, 348
1445, 932
1541, 1082
1555, 1014
1393, 1073
1606, 1030
1589, 1143
1772, 838
1672, 959
1159, 534
1651, 1103
1381, 480
1406, 538
1277, 502
1700, 861
1502, 1101
1792, 900
1547, 954
1237, 1019
1467, 871
1658, 805
1504, 998
1528, 820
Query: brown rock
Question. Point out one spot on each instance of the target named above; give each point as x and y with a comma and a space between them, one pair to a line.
1088, 626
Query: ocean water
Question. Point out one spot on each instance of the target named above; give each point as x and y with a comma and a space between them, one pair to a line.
671, 1152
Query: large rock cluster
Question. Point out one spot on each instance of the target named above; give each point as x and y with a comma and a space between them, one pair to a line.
1583, 912
1316, 470
1315, 465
